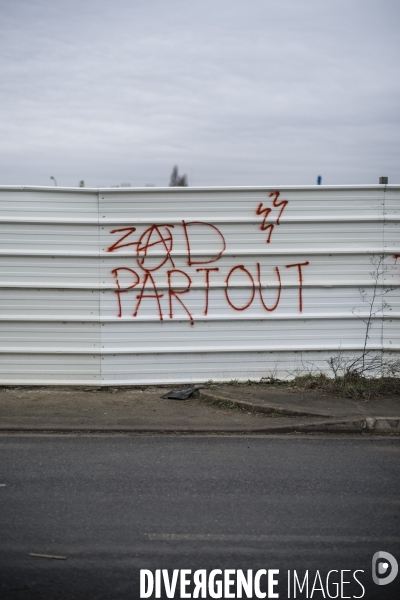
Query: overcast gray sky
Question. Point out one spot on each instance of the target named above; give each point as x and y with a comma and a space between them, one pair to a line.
255, 92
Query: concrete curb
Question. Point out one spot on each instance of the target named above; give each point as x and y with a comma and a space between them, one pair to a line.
378, 425
346, 424
291, 411
383, 424
160, 429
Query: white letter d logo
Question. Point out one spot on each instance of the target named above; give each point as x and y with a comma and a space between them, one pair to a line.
380, 568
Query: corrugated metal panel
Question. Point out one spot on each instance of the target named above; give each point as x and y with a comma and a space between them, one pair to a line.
182, 284
49, 287
391, 270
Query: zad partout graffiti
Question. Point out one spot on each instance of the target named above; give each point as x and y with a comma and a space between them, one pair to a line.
153, 253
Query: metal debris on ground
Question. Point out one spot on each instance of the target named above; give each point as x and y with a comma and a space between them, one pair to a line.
182, 394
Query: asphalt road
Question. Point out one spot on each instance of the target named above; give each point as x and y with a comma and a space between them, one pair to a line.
113, 505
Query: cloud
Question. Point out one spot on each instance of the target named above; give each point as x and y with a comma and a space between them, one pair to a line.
262, 92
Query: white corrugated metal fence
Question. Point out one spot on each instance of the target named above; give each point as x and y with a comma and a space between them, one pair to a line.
135, 286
